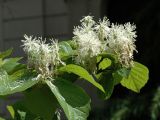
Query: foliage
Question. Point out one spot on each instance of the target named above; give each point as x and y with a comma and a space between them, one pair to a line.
47, 81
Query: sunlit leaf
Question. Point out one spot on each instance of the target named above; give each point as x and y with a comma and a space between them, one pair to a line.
11, 111
78, 70
137, 78
105, 63
17, 82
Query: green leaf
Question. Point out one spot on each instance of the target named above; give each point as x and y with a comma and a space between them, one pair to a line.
99, 59
16, 82
11, 111
40, 101
6, 53
10, 64
22, 115
105, 63
22, 112
72, 44
74, 101
2, 118
124, 72
137, 78
1, 62
107, 81
112, 57
69, 76
117, 78
65, 49
119, 74
78, 70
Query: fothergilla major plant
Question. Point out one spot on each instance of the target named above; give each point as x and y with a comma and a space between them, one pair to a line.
100, 53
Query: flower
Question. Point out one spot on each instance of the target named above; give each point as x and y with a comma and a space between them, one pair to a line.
94, 38
55, 53
87, 22
87, 41
102, 28
88, 46
42, 57
121, 41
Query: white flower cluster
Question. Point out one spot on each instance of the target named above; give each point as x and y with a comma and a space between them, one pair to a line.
94, 38
87, 40
42, 56
121, 41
